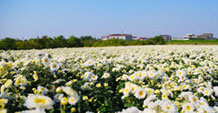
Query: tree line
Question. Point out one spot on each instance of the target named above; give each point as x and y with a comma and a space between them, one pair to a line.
46, 42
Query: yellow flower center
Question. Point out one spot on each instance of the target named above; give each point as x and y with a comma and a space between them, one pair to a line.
72, 99
46, 60
194, 99
168, 107
150, 91
206, 92
54, 66
133, 88
40, 100
141, 93
126, 90
164, 96
132, 77
188, 108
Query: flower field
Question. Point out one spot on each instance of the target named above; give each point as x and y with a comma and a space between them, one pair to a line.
133, 79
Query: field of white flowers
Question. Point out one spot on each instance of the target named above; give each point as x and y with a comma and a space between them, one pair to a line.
135, 79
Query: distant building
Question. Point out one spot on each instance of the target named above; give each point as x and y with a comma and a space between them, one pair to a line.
166, 37
188, 36
142, 38
207, 36
134, 38
105, 37
118, 36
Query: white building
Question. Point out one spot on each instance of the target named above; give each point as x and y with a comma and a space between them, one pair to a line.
206, 36
188, 36
118, 36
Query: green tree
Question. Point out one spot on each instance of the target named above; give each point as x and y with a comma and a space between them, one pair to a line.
158, 40
7, 43
74, 42
59, 41
88, 41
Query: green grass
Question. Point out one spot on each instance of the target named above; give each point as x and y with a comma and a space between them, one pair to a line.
192, 42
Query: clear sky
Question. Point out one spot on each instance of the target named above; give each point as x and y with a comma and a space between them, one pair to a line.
32, 18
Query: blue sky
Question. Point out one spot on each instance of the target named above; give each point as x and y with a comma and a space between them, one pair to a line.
32, 18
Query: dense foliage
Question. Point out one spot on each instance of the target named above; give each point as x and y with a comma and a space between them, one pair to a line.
133, 79
193, 42
61, 41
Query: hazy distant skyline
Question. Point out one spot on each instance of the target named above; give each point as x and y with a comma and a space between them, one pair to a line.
147, 18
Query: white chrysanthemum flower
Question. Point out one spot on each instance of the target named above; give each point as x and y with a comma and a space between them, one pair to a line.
205, 109
185, 86
207, 91
54, 66
73, 100
89, 112
38, 101
93, 77
140, 93
166, 92
133, 77
180, 73
144, 74
126, 91
106, 75
130, 110
45, 61
152, 74
28, 56
216, 90
206, 69
185, 95
149, 91
201, 79
69, 91
200, 89
169, 107
155, 105
133, 88
188, 107
182, 77
125, 77
203, 102
3, 111
215, 109
193, 99
20, 81
149, 99
85, 86
37, 110
146, 110
87, 75
58, 97
89, 63
42, 89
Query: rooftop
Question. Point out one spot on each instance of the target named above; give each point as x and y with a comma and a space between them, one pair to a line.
120, 35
